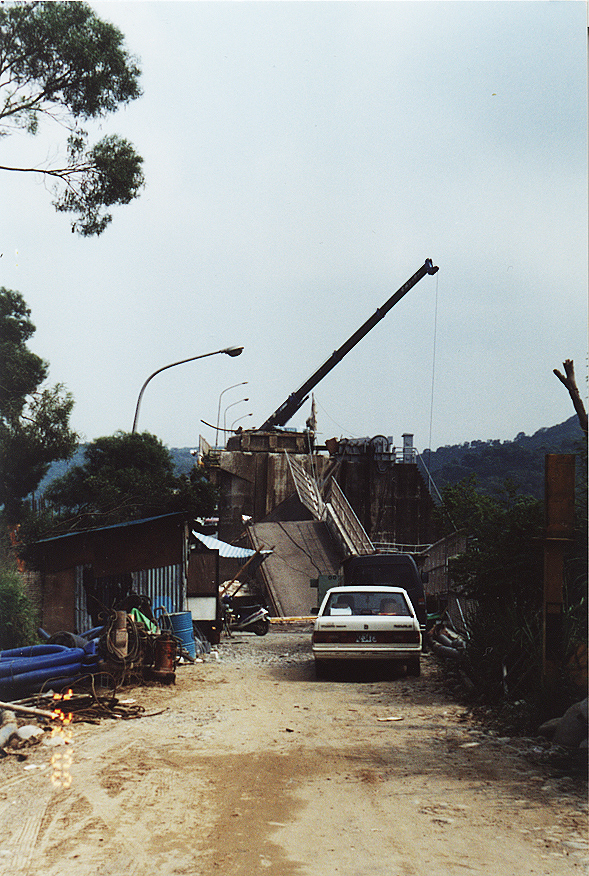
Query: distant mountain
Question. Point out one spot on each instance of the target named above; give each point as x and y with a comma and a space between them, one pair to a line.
59, 468
181, 456
520, 460
183, 459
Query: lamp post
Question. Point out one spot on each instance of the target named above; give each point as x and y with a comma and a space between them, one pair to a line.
227, 408
230, 351
243, 383
245, 416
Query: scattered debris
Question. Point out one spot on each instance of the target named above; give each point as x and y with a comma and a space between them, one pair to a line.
29, 731
75, 678
569, 731
136, 645
445, 640
7, 731
28, 710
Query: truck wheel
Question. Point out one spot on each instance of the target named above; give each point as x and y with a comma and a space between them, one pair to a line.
414, 667
320, 669
261, 627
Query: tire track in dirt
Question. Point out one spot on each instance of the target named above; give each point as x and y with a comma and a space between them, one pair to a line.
256, 768
25, 841
123, 817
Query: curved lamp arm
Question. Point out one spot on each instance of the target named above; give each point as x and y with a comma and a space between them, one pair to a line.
230, 406
243, 383
230, 351
245, 416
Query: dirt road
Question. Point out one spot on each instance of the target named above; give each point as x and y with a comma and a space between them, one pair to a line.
254, 767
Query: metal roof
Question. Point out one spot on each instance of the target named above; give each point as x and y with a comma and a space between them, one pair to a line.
225, 550
110, 526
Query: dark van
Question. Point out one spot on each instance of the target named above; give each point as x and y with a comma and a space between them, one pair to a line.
392, 570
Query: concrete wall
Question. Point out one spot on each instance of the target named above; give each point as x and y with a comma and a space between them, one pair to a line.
58, 601
389, 497
392, 502
252, 485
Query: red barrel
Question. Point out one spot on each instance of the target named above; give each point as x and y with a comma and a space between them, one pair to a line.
164, 653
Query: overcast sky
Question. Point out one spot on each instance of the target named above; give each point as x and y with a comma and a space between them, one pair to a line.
302, 161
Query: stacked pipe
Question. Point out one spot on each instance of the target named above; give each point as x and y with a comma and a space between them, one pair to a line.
32, 668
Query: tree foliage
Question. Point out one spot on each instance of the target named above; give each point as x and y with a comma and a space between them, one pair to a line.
59, 61
34, 421
22, 371
126, 476
502, 572
18, 621
493, 462
503, 559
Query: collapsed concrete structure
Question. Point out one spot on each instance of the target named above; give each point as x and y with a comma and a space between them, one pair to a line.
388, 487
382, 496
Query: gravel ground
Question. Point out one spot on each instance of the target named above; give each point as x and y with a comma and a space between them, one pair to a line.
249, 764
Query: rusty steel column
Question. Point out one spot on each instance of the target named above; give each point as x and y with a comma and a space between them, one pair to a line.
558, 535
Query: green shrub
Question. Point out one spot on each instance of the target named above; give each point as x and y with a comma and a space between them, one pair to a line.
504, 662
18, 621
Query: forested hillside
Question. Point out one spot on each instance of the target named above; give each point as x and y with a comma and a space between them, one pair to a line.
521, 460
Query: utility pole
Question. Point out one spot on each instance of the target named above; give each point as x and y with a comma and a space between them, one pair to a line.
558, 536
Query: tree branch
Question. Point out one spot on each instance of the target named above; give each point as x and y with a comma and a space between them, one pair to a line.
58, 60
568, 380
59, 172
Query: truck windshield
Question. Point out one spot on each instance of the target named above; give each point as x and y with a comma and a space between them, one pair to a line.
363, 603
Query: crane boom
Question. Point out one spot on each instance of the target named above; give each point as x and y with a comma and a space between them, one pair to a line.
289, 407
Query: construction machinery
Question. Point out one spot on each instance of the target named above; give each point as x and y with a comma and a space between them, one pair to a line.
292, 404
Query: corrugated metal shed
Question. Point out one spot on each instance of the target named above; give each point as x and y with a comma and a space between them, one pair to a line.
82, 572
124, 525
164, 586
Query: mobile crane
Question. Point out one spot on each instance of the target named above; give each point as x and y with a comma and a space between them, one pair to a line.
292, 404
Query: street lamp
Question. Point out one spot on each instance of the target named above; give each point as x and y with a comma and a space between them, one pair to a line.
245, 416
230, 351
227, 408
219, 408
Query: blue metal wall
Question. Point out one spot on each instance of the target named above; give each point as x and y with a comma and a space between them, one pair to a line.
164, 586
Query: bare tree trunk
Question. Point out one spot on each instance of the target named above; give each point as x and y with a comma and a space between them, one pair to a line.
568, 379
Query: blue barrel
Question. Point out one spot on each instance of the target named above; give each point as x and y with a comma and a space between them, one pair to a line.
182, 627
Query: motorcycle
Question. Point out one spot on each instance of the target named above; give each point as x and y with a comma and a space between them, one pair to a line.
244, 618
